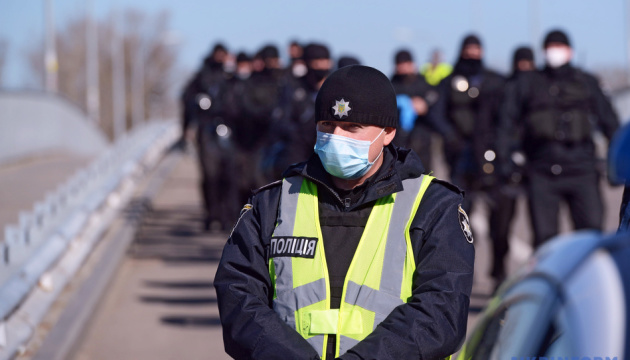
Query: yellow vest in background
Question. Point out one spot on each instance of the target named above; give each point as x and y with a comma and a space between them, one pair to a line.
434, 75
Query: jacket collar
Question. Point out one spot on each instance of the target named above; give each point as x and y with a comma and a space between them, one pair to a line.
398, 164
563, 71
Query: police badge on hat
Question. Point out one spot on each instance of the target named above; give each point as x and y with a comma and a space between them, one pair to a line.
465, 224
342, 108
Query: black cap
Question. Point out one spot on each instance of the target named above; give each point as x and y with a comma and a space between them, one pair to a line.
471, 40
241, 57
359, 94
403, 56
523, 53
556, 36
269, 52
315, 51
218, 47
346, 61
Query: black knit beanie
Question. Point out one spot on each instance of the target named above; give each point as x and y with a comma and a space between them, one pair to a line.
523, 53
556, 36
314, 51
402, 56
347, 60
471, 40
359, 94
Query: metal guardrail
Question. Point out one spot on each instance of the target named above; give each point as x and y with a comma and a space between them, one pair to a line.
44, 250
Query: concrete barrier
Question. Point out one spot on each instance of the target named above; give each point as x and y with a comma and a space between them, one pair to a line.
43, 252
32, 123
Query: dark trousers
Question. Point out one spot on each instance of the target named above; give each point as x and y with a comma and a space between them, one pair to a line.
218, 170
580, 192
502, 204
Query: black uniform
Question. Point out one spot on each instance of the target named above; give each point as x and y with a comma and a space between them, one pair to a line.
559, 109
469, 101
294, 133
419, 138
257, 105
509, 173
430, 326
189, 106
215, 148
300, 116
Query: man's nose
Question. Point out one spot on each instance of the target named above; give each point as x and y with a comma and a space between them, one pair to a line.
338, 130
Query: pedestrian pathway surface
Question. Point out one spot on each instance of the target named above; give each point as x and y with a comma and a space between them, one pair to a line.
162, 303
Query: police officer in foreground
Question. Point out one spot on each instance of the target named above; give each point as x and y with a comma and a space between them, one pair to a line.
355, 254
559, 109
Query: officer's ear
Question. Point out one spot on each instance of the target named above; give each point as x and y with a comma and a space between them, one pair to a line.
390, 133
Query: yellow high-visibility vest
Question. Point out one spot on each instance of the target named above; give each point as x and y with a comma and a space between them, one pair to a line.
433, 75
379, 277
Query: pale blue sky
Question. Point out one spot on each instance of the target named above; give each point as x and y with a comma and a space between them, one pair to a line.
370, 30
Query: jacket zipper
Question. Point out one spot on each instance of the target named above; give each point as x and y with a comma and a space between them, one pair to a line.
326, 186
346, 203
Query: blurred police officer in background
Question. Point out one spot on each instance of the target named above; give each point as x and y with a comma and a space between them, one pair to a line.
436, 70
259, 106
297, 67
559, 108
189, 111
213, 139
507, 159
249, 125
469, 101
293, 137
411, 88
347, 61
355, 254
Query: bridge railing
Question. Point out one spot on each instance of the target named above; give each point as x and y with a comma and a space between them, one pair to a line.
41, 253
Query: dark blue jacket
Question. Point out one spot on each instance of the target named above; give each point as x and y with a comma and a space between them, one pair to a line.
431, 325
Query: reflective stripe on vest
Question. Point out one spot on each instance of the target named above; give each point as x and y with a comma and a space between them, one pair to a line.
379, 277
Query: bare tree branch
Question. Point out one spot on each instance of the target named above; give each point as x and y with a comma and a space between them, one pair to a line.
143, 35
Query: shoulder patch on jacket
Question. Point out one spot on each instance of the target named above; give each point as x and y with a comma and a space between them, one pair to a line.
449, 186
465, 224
268, 186
245, 209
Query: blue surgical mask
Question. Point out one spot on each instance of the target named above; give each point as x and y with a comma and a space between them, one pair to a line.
344, 157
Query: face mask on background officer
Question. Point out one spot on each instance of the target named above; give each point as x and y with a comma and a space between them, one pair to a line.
557, 54
470, 57
558, 51
318, 63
